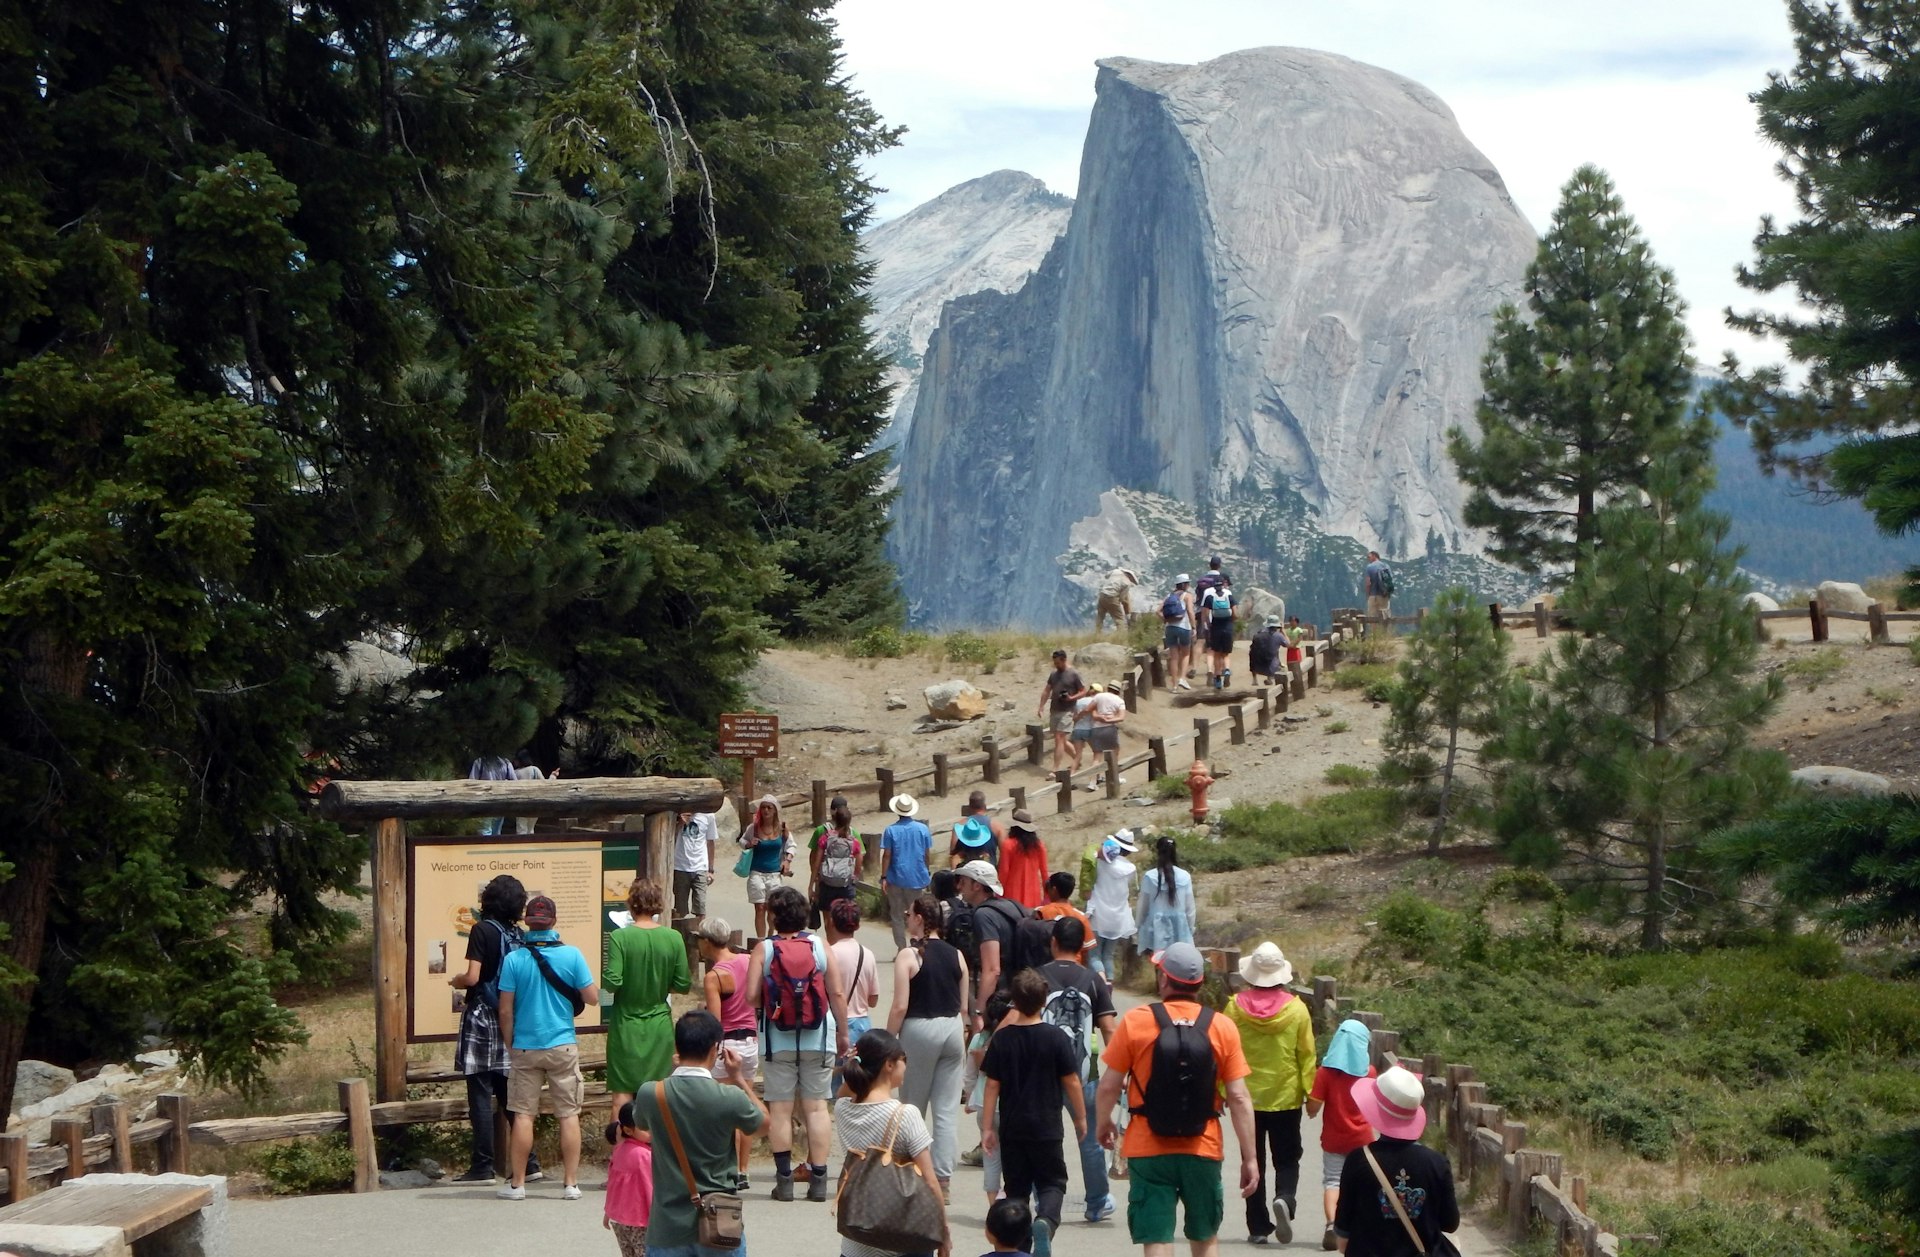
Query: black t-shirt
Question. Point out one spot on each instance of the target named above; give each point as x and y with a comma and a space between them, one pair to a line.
998, 921
1062, 685
485, 943
1061, 974
1421, 1179
1029, 1063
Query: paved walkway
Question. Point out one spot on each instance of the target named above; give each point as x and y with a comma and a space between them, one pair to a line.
449, 1218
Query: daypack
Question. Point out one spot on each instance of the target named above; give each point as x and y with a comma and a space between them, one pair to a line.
1182, 1091
1071, 1010
1174, 609
1016, 953
796, 986
1219, 602
488, 993
836, 858
958, 930
1201, 586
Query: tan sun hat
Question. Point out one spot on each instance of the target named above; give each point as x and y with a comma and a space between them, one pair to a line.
904, 805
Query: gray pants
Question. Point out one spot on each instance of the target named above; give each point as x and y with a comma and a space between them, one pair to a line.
689, 894
936, 1056
899, 899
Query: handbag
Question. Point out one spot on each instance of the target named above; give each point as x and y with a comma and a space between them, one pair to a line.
743, 865
717, 1221
1443, 1248
884, 1202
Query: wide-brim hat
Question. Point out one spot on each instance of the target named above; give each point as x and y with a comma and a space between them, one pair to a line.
1183, 579
1266, 966
1394, 1103
982, 872
1123, 839
904, 804
1022, 820
1273, 621
974, 831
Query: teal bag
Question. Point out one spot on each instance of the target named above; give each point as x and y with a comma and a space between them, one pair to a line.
744, 865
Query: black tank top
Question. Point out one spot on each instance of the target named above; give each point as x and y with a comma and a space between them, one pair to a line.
935, 990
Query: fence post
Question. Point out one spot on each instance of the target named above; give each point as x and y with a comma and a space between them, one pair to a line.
1237, 731
1877, 624
1157, 757
112, 1117
1112, 759
1818, 615
177, 1109
820, 801
1297, 686
885, 777
990, 771
940, 774
366, 1161
1036, 742
1539, 619
1130, 693
1202, 737
1143, 669
70, 1133
1156, 668
1526, 1163
1019, 794
1264, 718
13, 1159
1760, 626
1065, 797
1493, 613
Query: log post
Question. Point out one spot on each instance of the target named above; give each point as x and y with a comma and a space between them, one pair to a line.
1113, 773
1577, 1191
659, 830
370, 802
1143, 672
389, 844
1156, 756
178, 1110
1386, 1043
366, 1161
112, 1117
1237, 732
1325, 991
1019, 794
1264, 719
1760, 632
1466, 1097
1539, 619
1202, 737
1036, 743
1065, 798
1296, 680
990, 771
1513, 1136
13, 1159
1877, 624
1527, 1162
940, 774
887, 791
1817, 614
70, 1134
819, 812
1493, 613
1130, 692
1156, 669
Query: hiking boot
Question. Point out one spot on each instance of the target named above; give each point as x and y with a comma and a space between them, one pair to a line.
1327, 1240
1282, 1221
783, 1187
817, 1188
974, 1158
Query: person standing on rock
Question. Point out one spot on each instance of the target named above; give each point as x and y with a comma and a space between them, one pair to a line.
905, 847
693, 863
1116, 599
1376, 582
1057, 693
1176, 618
1217, 606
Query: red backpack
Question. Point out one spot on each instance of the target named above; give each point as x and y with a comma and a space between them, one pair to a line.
796, 986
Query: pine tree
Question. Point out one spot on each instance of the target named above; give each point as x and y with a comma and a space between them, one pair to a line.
1859, 857
1585, 392
1635, 743
1848, 127
1454, 669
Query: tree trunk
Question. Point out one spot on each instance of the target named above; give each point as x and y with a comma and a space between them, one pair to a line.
1653, 921
1446, 788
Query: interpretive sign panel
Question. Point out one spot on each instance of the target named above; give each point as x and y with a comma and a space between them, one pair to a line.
749, 735
586, 876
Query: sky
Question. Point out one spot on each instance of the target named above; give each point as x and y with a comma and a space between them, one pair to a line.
1653, 92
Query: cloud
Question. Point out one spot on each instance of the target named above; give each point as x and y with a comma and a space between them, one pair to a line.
1656, 94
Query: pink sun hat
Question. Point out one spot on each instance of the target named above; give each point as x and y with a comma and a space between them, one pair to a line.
1394, 1103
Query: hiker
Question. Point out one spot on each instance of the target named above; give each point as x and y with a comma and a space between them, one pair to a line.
835, 858
1116, 600
977, 836
1175, 1060
973, 1084
905, 847
1060, 887
772, 846
1396, 1197
693, 1115
1176, 619
491, 768
629, 1203
693, 863
1023, 861
1166, 912
1217, 611
645, 961
996, 924
1265, 650
857, 967
1031, 1071
1057, 693
1276, 1033
725, 988
929, 991
1109, 903
480, 1054
1209, 580
792, 980
1080, 1002
1082, 724
1344, 1128
1376, 582
543, 987
870, 1116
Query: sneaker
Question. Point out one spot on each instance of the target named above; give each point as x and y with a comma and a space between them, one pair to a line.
510, 1192
1184, 685
1257, 1239
1226, 679
783, 1187
570, 1192
534, 1176
1282, 1221
1042, 1238
974, 1158
1101, 1211
475, 1174
1327, 1240
817, 1188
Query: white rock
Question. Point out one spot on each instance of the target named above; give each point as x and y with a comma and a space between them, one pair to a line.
1836, 595
1257, 604
399, 1180
895, 702
1830, 779
1757, 601
1102, 661
955, 700
34, 1081
161, 1058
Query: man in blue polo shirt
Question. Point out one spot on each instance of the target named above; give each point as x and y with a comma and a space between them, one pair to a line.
904, 872
536, 1023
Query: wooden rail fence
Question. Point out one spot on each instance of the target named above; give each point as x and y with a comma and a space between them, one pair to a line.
1547, 620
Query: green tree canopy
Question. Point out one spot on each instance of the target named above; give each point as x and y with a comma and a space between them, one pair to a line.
1858, 858
1585, 391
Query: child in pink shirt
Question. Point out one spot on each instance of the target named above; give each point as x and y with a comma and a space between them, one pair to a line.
629, 1186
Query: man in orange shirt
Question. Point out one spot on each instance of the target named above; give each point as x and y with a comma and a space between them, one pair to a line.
1173, 1143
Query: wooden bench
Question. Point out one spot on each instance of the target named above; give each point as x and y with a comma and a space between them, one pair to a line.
136, 1210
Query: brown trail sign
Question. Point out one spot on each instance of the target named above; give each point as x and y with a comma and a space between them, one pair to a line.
748, 736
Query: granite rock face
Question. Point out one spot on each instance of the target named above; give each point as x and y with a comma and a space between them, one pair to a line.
1278, 278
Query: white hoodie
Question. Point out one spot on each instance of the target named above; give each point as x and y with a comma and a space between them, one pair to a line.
1107, 904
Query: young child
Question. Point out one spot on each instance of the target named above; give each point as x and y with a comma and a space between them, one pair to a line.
629, 1186
974, 1087
1276, 1032
1059, 904
1009, 1227
1349, 1056
1032, 1069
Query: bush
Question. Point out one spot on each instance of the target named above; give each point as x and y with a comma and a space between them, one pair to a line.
1364, 676
1817, 668
1336, 726
1252, 834
1348, 775
1416, 927
970, 648
1169, 787
883, 642
304, 1166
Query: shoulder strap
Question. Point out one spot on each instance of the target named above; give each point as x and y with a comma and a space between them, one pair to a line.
1393, 1198
1160, 1017
679, 1149
574, 1001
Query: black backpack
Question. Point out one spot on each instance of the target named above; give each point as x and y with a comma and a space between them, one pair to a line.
957, 929
1182, 1092
1017, 952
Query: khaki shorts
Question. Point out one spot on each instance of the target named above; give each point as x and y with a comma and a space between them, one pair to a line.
1061, 722
557, 1067
760, 885
797, 1076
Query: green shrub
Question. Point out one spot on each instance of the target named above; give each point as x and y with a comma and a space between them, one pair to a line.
304, 1166
1363, 676
1336, 726
1348, 775
963, 647
1253, 834
1169, 787
882, 642
1415, 926
1700, 1228
1817, 668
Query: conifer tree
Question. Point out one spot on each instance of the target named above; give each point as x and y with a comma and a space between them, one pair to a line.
1450, 679
1585, 391
1634, 744
1857, 857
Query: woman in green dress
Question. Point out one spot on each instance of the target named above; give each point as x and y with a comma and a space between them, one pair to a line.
645, 961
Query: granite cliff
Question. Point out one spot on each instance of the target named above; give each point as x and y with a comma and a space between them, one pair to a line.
1268, 305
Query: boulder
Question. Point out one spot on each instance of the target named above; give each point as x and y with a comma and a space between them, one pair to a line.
1257, 604
400, 1180
1102, 660
895, 702
34, 1081
955, 700
1830, 779
1757, 601
726, 823
1839, 595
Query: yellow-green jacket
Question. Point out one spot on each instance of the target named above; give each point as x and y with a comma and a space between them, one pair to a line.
1277, 1036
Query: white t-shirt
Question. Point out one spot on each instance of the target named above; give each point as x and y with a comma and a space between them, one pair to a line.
858, 1124
1109, 707
690, 852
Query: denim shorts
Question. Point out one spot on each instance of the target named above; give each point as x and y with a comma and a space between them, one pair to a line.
1177, 635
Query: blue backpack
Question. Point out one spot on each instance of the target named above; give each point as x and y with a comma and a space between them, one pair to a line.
1174, 608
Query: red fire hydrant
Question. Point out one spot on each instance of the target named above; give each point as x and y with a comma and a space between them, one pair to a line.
1198, 779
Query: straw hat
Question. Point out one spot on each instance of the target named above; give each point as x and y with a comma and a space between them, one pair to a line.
904, 804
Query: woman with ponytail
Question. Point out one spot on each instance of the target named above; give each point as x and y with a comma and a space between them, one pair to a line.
1166, 911
862, 1118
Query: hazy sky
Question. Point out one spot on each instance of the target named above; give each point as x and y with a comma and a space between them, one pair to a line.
1656, 93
